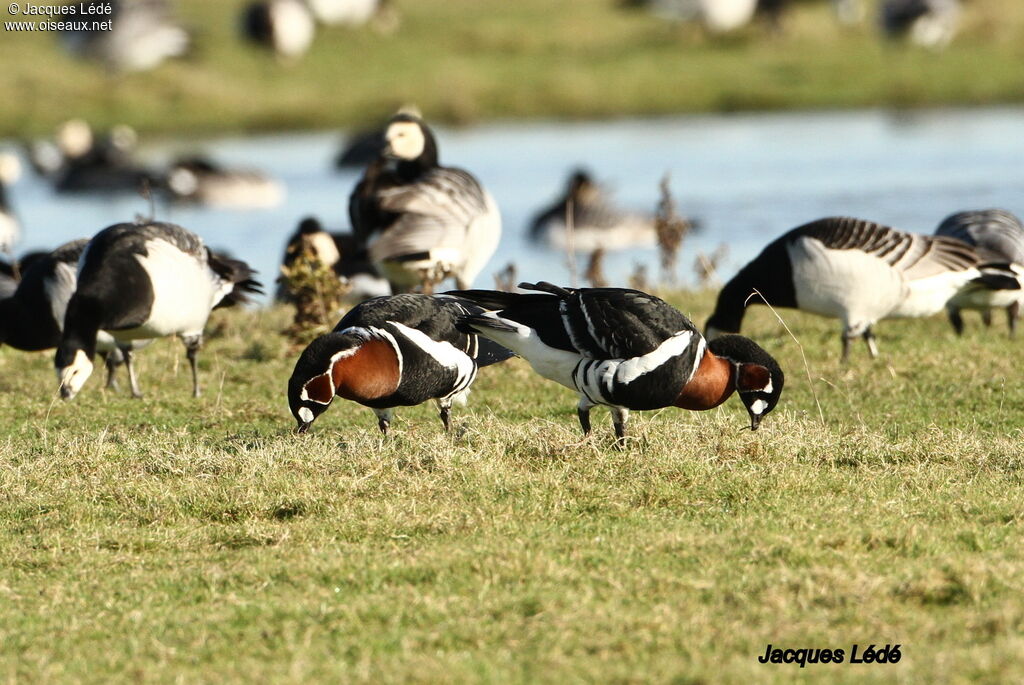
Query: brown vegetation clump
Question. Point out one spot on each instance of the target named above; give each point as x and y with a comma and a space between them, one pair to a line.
706, 266
595, 269
505, 280
671, 229
317, 293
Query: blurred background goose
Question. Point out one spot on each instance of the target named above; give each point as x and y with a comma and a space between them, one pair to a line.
284, 26
998, 236
340, 252
143, 34
354, 12
422, 222
103, 164
201, 180
929, 23
10, 229
596, 222
857, 271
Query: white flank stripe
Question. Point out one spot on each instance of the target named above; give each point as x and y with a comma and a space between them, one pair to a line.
632, 369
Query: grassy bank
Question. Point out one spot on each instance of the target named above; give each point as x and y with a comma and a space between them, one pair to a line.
200, 540
465, 60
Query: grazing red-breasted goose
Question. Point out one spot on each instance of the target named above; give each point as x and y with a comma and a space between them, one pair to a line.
422, 222
857, 271
998, 236
394, 351
145, 280
284, 26
596, 223
625, 349
32, 318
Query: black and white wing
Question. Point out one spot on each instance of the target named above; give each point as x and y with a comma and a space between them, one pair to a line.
916, 256
996, 233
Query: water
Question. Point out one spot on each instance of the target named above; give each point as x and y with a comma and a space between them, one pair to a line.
748, 178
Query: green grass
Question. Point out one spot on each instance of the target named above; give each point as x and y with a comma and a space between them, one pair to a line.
466, 60
173, 539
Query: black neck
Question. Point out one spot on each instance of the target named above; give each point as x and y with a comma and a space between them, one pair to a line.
81, 326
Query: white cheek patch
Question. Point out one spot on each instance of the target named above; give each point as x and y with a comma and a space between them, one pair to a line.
306, 415
405, 138
758, 407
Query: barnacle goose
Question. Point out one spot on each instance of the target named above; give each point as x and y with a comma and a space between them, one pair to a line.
10, 229
142, 34
203, 181
284, 26
32, 318
625, 349
998, 236
596, 223
854, 270
394, 351
930, 23
145, 280
340, 252
422, 222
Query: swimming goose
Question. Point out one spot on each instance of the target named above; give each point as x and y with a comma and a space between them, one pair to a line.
338, 251
284, 26
394, 351
625, 349
200, 180
10, 229
596, 222
929, 23
142, 34
857, 271
99, 164
421, 221
145, 280
998, 236
32, 318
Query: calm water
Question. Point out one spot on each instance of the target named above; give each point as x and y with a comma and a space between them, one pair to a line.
748, 178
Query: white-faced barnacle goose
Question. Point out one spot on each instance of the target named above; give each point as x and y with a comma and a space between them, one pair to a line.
857, 271
422, 222
625, 349
930, 23
340, 252
354, 12
32, 318
998, 236
10, 229
145, 280
596, 223
141, 35
284, 26
201, 180
394, 351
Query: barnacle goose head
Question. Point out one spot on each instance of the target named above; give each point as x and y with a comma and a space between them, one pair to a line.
759, 379
74, 138
10, 168
73, 370
408, 139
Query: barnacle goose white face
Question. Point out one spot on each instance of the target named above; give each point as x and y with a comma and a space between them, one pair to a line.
405, 140
10, 168
74, 376
74, 138
183, 182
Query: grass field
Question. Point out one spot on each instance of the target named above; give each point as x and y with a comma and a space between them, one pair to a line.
181, 540
465, 60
